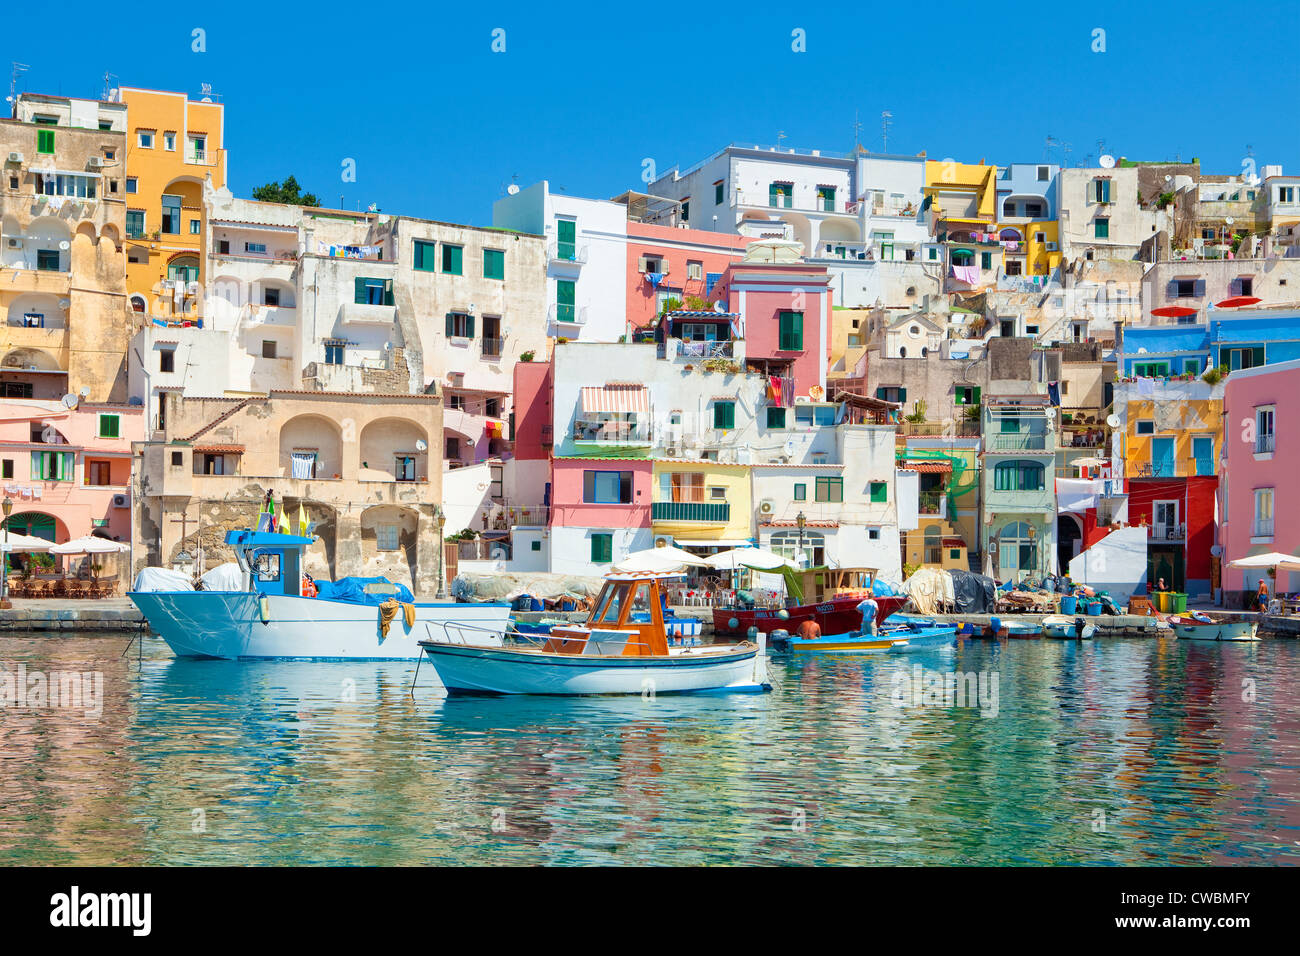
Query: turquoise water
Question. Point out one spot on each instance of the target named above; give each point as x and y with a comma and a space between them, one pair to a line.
1109, 752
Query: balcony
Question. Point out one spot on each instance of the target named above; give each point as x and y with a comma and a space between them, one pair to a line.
1264, 444
611, 432
358, 313
932, 503
498, 516
1023, 441
201, 157
705, 512
491, 349
566, 253
705, 350
1169, 532
567, 314
948, 429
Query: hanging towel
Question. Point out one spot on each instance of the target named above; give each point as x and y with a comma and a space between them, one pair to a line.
388, 613
787, 391
303, 465
1054, 393
967, 274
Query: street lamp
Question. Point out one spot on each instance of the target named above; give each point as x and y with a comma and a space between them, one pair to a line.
442, 557
800, 519
8, 507
1033, 547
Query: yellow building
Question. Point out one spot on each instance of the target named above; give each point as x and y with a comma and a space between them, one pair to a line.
961, 204
173, 146
1171, 435
703, 504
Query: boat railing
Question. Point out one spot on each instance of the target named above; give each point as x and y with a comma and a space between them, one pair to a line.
460, 628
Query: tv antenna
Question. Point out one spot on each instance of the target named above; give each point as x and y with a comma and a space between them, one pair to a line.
108, 84
13, 82
780, 135
857, 133
886, 117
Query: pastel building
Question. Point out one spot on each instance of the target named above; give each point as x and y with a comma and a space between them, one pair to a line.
1101, 214
1027, 226
961, 207
666, 264
1019, 493
1259, 462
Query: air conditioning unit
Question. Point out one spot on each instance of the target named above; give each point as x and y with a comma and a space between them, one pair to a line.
1052, 247
15, 243
15, 157
664, 541
766, 506
121, 501
94, 162
673, 451
802, 399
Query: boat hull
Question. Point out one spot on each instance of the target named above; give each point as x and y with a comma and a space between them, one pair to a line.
837, 643
467, 669
924, 639
1216, 631
834, 617
229, 625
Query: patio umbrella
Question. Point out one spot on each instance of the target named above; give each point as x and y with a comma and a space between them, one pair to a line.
1237, 301
753, 558
90, 544
660, 559
26, 542
1273, 559
1173, 311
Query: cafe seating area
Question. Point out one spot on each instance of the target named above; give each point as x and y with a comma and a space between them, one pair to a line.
58, 586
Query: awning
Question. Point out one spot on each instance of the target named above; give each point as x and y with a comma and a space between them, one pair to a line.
219, 449
927, 466
616, 398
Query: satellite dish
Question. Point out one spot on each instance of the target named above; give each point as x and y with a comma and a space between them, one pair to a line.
719, 307
512, 189
64, 303
1142, 350
1216, 549
71, 400
85, 391
65, 245
1107, 161
1229, 220
1169, 179
421, 444
1112, 421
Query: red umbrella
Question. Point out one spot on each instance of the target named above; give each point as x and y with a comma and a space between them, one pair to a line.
1237, 301
1173, 311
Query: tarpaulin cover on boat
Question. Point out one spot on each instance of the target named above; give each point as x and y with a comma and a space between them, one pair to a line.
224, 577
929, 589
162, 579
540, 584
353, 591
973, 593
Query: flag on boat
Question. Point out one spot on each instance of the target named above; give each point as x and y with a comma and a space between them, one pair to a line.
302, 520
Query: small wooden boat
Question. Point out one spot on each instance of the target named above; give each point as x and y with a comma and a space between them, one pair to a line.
830, 599
923, 638
611, 653
998, 630
836, 643
1201, 627
1068, 629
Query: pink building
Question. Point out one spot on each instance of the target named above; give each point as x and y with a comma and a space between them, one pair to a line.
68, 470
600, 511
532, 411
1258, 464
686, 262
785, 311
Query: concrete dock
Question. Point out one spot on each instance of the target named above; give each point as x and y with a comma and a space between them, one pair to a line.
71, 614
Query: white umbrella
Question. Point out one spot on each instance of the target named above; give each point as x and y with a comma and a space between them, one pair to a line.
1273, 559
754, 558
659, 559
25, 542
90, 544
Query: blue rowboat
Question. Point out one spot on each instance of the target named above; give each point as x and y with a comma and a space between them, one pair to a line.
834, 643
924, 638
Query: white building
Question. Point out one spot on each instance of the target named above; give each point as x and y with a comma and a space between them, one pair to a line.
1100, 217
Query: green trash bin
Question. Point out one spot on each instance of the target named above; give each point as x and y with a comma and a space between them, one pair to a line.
1177, 602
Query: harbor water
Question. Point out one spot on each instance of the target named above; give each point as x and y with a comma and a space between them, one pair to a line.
1108, 752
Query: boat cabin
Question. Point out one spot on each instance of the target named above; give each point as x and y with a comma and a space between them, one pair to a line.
626, 620
273, 561
821, 585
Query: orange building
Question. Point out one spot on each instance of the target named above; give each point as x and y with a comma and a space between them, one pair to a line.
173, 146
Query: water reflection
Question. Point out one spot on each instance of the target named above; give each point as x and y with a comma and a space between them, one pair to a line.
1101, 752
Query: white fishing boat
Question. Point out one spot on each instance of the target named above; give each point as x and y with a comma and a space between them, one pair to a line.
1068, 628
270, 617
614, 652
1198, 626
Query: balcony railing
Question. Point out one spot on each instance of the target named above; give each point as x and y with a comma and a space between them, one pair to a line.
1023, 441
1264, 444
611, 432
570, 314
1167, 532
931, 502
1263, 528
502, 517
711, 512
492, 348
705, 350
955, 429
567, 252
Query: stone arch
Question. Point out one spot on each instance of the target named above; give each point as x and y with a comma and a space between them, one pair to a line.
110, 233
313, 435
22, 358
285, 289
48, 234
383, 440
388, 542
87, 229
49, 307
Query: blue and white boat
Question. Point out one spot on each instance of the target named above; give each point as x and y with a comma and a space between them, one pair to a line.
271, 618
929, 638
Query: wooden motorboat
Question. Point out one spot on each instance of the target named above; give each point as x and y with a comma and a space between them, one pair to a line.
1199, 626
830, 599
1068, 628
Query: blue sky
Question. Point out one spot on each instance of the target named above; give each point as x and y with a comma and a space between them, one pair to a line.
438, 124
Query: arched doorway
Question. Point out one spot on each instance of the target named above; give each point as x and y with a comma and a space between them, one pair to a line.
1016, 549
1069, 540
34, 524
786, 544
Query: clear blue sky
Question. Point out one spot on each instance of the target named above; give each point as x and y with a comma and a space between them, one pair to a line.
438, 123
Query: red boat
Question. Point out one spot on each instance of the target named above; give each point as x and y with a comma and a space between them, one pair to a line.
835, 593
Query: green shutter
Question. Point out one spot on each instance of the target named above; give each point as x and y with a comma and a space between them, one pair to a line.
449, 321
724, 414
494, 264
564, 298
451, 259
469, 326
800, 491
879, 492
977, 395
566, 233
45, 141
790, 332
602, 548
388, 292
360, 290
773, 194
902, 396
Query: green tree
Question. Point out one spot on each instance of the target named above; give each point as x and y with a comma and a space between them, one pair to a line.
286, 192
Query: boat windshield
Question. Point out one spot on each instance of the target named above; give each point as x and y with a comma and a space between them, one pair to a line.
612, 602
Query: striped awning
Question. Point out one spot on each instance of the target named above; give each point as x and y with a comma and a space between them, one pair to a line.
927, 466
616, 398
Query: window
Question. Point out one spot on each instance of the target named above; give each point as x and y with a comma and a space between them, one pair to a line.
194, 227
1251, 357
1264, 433
967, 395
1245, 286
1018, 476
132, 184
135, 223
775, 417
171, 214
1017, 551
335, 351
829, 489
1150, 369
166, 360
1101, 190
494, 264
607, 487
404, 468
826, 198
1101, 229
451, 259
268, 348
424, 255
492, 407
460, 325
686, 210
373, 291
98, 473
52, 465
110, 426
813, 416
1263, 513
800, 491
177, 458
1042, 174
710, 280
1185, 289
45, 141
169, 141
198, 149
387, 537
873, 534
7, 468
892, 393
47, 260
791, 332
1146, 426
694, 270
986, 260
144, 138
879, 492
602, 547
1285, 193
724, 414
780, 194
451, 449
565, 296
536, 545
719, 192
